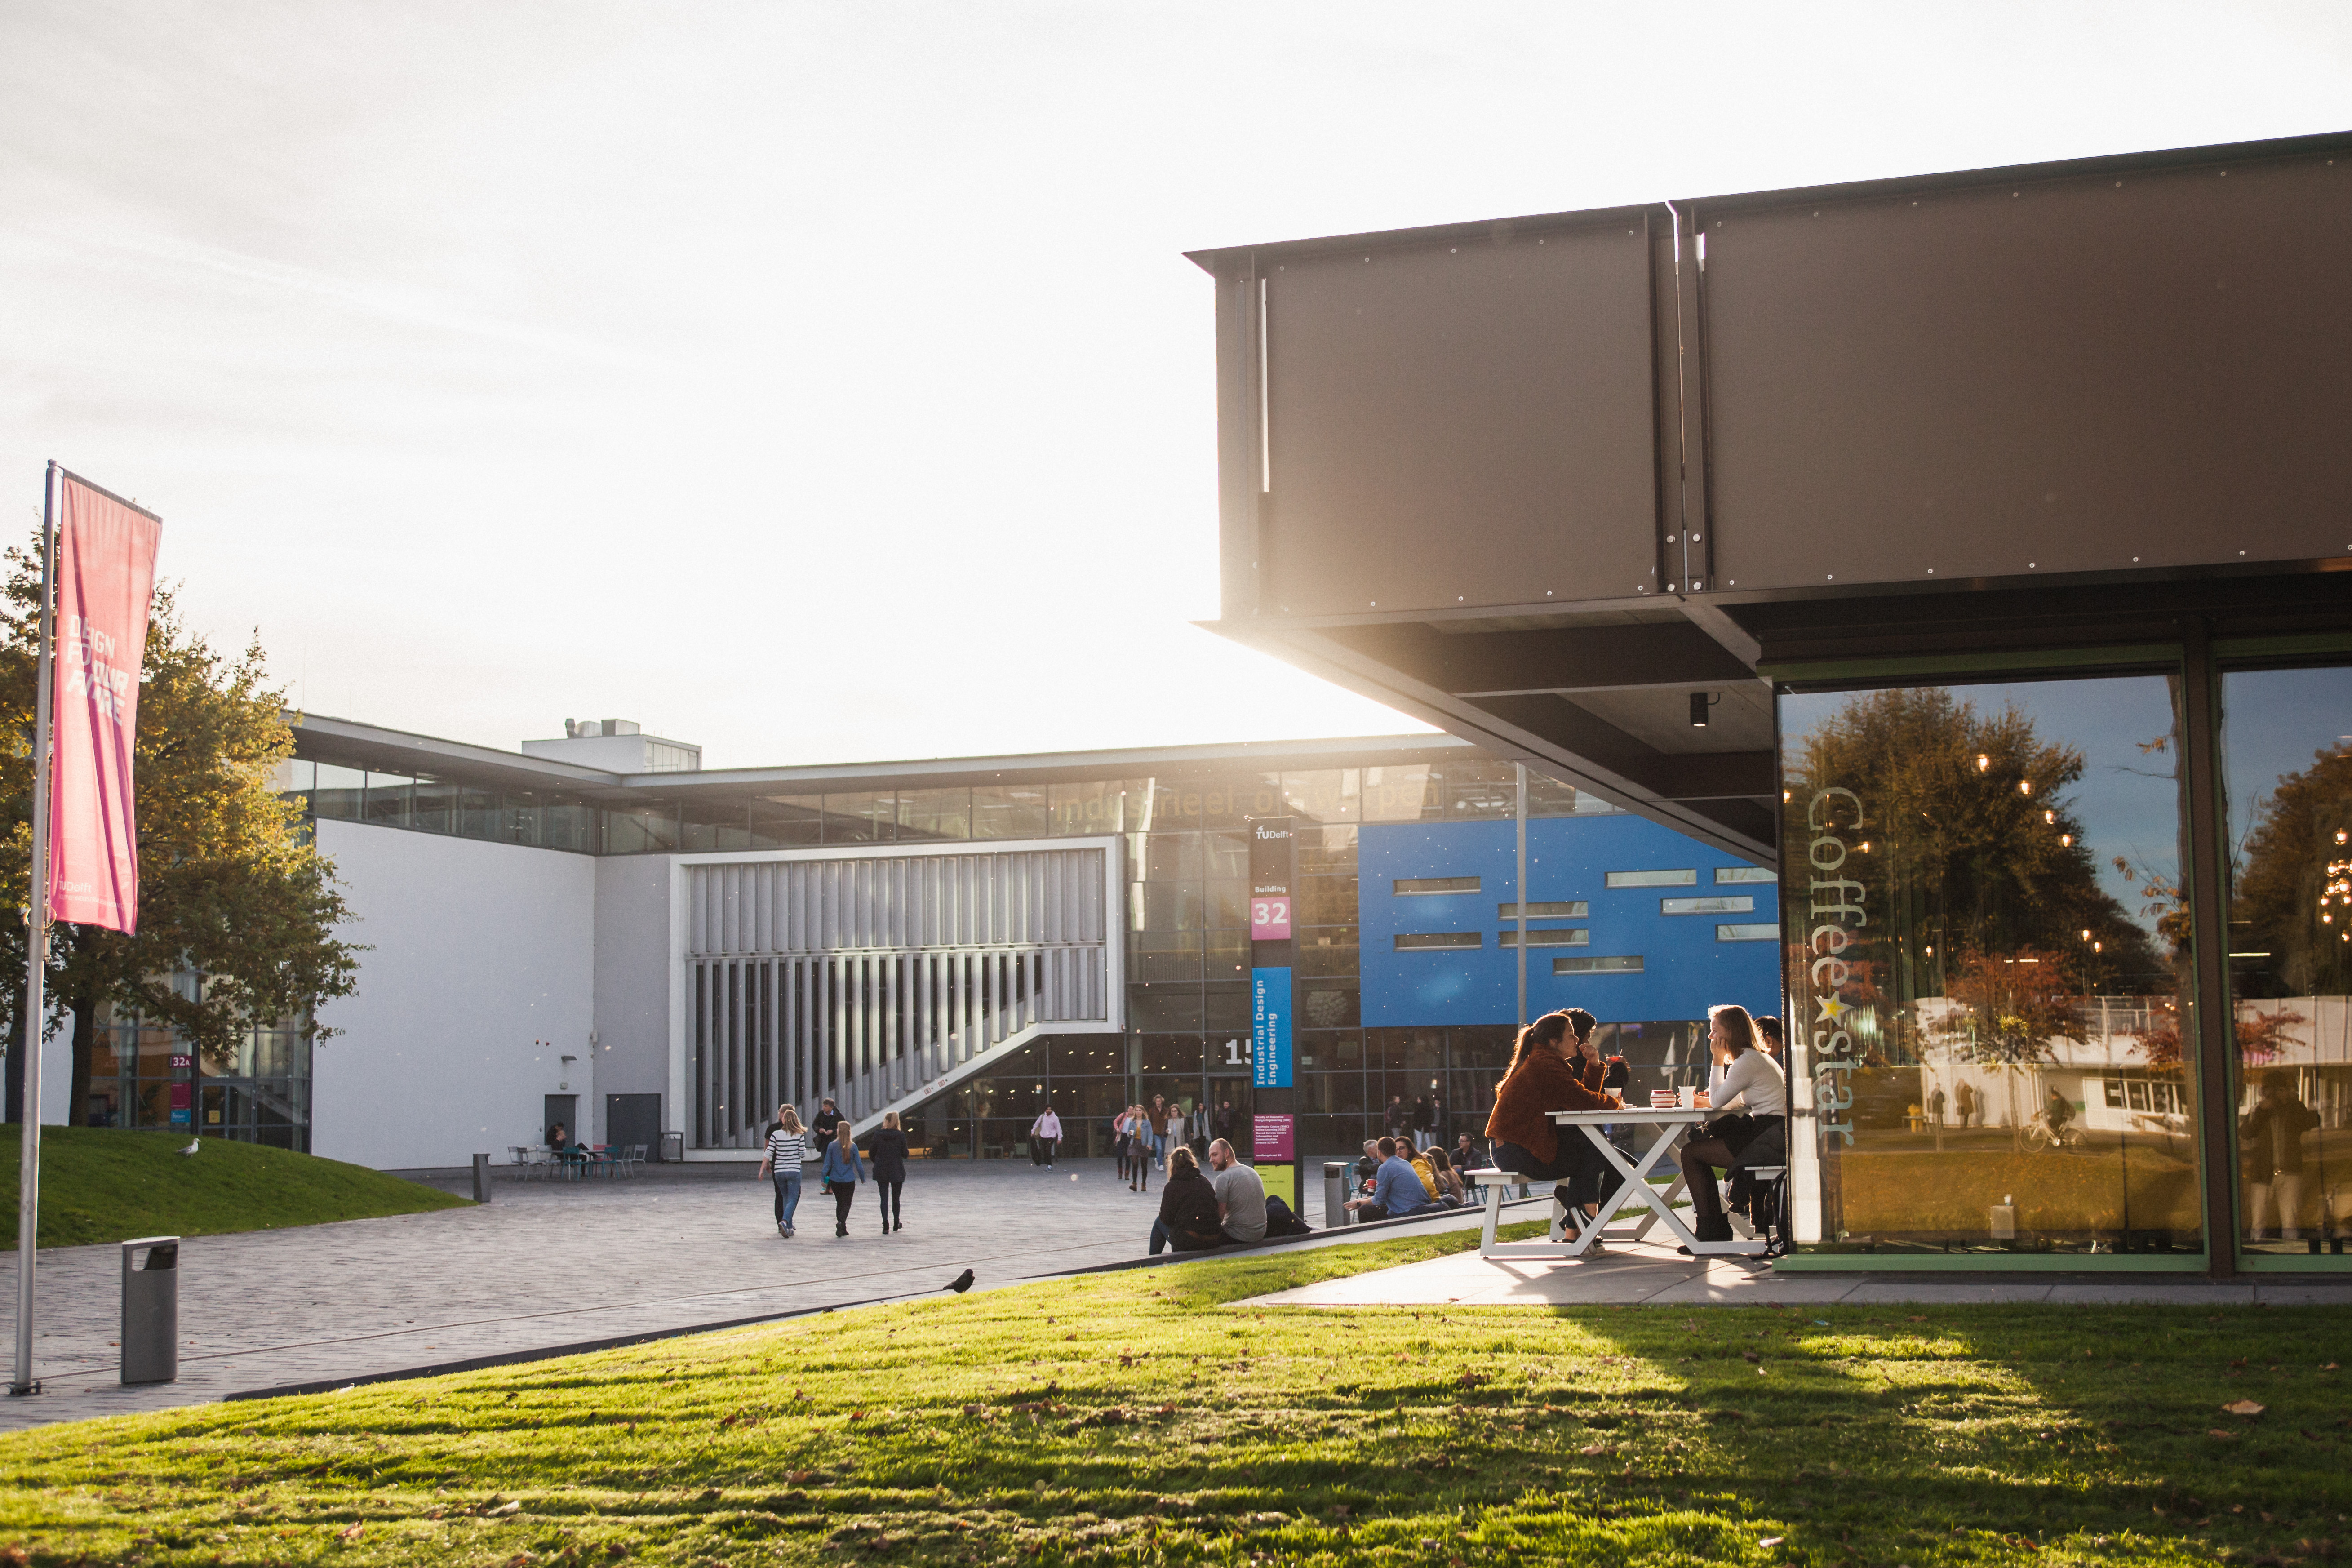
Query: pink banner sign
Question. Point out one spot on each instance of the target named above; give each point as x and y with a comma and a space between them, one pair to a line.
1275, 1141
105, 576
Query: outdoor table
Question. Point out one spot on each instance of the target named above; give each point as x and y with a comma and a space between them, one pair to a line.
1633, 1182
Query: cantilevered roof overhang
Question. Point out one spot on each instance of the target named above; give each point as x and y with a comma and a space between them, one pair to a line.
1540, 480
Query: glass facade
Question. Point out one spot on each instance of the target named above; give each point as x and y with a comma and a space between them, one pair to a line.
144, 1075
1988, 969
2287, 768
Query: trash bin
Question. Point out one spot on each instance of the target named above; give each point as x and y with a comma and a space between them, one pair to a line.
481, 1178
150, 1309
1335, 1195
673, 1148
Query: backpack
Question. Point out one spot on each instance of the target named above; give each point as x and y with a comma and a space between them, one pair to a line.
1280, 1221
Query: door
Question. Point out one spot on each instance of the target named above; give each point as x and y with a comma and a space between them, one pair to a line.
563, 1109
633, 1119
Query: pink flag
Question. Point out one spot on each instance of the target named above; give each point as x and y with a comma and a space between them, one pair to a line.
105, 573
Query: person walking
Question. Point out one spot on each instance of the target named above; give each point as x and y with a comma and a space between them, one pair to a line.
887, 1150
1122, 1144
1044, 1135
1422, 1122
843, 1172
782, 1162
1158, 1126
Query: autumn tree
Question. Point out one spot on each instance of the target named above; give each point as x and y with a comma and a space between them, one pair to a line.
2292, 890
1971, 853
231, 889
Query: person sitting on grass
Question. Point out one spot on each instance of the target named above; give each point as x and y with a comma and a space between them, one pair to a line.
1450, 1190
1396, 1192
1240, 1196
1188, 1208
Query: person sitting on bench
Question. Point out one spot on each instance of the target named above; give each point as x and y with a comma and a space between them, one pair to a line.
1553, 1067
1747, 1080
1397, 1191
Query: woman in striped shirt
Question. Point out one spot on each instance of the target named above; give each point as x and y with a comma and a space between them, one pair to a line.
787, 1153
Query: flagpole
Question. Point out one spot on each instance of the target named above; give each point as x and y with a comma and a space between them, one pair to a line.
36, 954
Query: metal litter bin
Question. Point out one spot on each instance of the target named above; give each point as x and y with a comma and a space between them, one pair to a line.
673, 1148
481, 1178
150, 1309
1335, 1194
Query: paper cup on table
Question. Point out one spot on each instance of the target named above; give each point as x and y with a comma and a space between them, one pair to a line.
1682, 1096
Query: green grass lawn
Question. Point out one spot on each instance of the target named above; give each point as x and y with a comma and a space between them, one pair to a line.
1144, 1417
100, 1185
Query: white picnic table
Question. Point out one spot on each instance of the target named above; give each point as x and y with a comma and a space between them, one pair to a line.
1633, 1182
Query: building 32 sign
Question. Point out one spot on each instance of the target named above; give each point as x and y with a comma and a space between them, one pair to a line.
1271, 842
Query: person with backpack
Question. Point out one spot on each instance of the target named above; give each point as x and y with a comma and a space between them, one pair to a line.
888, 1149
843, 1172
783, 1160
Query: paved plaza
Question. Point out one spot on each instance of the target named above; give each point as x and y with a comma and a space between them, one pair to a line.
553, 1263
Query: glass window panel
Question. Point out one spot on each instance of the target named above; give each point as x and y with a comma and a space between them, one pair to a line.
1548, 937
1228, 905
1232, 802
387, 799
787, 821
1329, 953
1165, 906
1328, 850
1416, 941
1561, 909
337, 793
1411, 887
1112, 806
1225, 856
1011, 811
1613, 963
292, 775
433, 807
640, 830
1758, 930
716, 824
1549, 797
1159, 956
1324, 1006
1324, 794
1168, 856
2287, 761
1225, 1006
1325, 900
1171, 1054
1726, 876
567, 824
482, 814
1170, 803
1163, 1007
1653, 879
1480, 791
1721, 904
934, 813
1228, 954
1402, 794
1988, 872
867, 817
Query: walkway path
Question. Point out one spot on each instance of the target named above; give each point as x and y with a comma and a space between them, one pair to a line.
550, 1264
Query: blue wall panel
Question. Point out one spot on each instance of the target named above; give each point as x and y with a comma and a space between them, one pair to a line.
1686, 970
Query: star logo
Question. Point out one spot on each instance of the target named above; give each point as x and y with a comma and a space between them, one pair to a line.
1833, 1012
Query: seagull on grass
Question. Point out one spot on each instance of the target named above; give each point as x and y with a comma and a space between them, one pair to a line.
193, 1144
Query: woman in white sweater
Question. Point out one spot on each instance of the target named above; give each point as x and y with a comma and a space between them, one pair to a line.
1747, 1080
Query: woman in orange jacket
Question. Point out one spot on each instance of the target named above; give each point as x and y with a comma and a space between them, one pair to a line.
1553, 1067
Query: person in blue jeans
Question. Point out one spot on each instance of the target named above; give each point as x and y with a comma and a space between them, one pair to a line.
1396, 1191
843, 1170
783, 1161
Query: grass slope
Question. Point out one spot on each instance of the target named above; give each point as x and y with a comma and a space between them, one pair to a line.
1144, 1418
99, 1185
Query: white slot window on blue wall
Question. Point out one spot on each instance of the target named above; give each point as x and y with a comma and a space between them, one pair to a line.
1761, 932
1721, 904
1654, 879
1422, 941
1413, 887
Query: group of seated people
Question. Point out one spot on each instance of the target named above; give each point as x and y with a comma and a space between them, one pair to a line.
1555, 1066
1393, 1179
1228, 1208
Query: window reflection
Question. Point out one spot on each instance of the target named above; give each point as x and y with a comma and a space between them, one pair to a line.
2288, 774
1987, 963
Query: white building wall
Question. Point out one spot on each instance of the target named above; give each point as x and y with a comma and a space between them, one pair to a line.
634, 972
481, 976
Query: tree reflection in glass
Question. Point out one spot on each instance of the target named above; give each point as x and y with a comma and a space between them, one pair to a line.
2288, 772
1985, 960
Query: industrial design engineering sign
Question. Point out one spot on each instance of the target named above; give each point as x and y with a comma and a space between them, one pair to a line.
1270, 1029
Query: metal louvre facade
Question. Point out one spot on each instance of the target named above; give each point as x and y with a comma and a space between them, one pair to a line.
882, 977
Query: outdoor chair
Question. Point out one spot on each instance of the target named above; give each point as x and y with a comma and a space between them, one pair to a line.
636, 1158
1772, 1206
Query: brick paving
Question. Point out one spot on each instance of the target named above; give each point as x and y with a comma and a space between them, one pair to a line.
550, 1263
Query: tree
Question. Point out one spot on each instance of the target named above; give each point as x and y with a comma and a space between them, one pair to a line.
231, 889
1970, 855
2291, 890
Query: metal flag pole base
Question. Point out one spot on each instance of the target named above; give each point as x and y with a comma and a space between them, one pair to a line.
36, 957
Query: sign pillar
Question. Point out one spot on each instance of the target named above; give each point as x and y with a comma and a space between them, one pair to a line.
1273, 859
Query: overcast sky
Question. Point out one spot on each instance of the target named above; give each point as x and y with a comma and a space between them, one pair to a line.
821, 382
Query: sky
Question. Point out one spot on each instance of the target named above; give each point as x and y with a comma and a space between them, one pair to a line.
824, 382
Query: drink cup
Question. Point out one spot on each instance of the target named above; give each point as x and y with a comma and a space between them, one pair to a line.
1684, 1095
